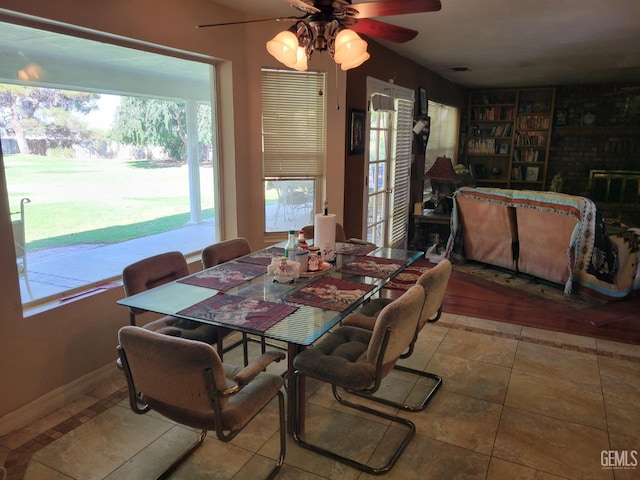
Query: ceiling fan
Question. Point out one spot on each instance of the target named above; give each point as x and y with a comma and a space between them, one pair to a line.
333, 25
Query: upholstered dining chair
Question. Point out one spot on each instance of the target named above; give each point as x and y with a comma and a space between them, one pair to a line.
186, 381
434, 281
224, 251
155, 271
356, 360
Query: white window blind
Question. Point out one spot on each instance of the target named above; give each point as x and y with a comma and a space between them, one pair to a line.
443, 136
402, 171
293, 124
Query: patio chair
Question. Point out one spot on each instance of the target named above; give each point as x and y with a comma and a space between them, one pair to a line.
187, 382
19, 241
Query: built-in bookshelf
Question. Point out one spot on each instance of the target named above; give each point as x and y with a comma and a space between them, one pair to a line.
509, 133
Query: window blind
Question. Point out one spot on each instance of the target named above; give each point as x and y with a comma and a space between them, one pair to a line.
402, 171
293, 124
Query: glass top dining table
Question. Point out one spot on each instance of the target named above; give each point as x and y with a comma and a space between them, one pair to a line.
305, 325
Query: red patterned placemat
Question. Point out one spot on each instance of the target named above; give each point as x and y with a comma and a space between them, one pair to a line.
409, 275
250, 313
225, 276
354, 248
330, 293
372, 267
263, 257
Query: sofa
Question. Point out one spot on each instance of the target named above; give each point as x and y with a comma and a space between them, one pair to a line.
552, 236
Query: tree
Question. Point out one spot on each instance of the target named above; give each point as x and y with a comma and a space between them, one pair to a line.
147, 122
32, 113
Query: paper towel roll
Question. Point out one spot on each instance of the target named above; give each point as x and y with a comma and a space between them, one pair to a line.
324, 235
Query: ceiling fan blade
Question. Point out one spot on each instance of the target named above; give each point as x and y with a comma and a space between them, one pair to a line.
395, 7
302, 5
240, 22
385, 31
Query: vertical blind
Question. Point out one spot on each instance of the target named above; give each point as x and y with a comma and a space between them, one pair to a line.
293, 124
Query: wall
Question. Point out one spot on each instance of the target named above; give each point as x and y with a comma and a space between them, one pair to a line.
387, 66
612, 142
51, 348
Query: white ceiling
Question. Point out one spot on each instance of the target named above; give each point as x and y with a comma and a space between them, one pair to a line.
511, 42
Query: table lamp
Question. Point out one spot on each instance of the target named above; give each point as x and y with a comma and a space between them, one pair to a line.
443, 177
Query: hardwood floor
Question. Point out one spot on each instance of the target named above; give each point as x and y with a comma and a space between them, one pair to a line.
469, 295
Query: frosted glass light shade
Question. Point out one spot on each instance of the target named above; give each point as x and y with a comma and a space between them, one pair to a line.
284, 48
301, 60
355, 62
349, 47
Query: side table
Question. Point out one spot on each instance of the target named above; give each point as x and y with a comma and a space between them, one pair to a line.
430, 222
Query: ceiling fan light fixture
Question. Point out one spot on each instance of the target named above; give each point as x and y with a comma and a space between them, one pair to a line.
349, 47
284, 47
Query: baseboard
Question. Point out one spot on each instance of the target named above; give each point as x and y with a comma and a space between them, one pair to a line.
55, 399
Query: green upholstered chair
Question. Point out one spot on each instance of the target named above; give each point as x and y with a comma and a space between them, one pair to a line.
185, 381
434, 281
356, 359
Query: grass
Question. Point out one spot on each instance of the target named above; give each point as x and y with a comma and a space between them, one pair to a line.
87, 200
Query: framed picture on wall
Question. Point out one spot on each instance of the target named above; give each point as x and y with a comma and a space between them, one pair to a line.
356, 131
423, 102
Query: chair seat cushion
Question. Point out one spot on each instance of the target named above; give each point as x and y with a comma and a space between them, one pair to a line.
340, 359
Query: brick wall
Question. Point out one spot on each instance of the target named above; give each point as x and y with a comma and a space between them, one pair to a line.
611, 142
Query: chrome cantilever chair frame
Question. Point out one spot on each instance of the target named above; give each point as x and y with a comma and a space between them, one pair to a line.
216, 396
357, 359
431, 304
298, 435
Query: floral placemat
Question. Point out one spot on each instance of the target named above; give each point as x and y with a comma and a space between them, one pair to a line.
263, 257
225, 276
408, 277
330, 293
372, 267
250, 313
354, 248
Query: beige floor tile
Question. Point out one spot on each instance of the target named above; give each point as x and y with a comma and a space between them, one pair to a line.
551, 445
460, 420
19, 437
480, 347
100, 445
429, 459
557, 397
115, 382
559, 338
490, 325
37, 471
618, 348
620, 375
568, 364
501, 470
481, 380
624, 446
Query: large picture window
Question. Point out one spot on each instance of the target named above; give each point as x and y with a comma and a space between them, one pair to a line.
114, 149
293, 146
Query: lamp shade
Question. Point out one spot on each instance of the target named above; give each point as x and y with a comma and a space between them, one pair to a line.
301, 60
284, 47
442, 169
348, 46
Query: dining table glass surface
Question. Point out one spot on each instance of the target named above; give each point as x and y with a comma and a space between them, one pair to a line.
303, 326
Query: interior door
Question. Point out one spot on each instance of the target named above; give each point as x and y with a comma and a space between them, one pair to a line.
378, 179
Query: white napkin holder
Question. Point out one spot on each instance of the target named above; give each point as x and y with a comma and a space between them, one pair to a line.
284, 270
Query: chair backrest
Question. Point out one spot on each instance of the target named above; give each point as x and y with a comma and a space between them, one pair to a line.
224, 251
171, 372
340, 235
401, 318
152, 272
434, 281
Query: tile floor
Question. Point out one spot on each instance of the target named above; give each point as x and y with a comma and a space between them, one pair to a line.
516, 403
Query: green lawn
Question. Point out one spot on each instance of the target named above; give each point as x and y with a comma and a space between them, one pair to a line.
90, 200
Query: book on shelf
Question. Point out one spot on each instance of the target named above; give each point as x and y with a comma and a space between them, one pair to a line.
516, 174
478, 171
533, 122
